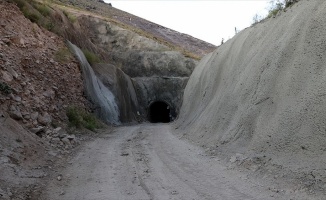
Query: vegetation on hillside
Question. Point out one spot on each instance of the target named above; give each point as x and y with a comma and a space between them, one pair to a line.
63, 55
5, 88
91, 57
44, 15
80, 118
275, 6
36, 12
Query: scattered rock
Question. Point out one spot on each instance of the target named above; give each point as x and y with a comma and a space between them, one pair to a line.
15, 113
15, 98
174, 192
12, 72
6, 76
44, 119
37, 129
55, 141
56, 130
66, 141
34, 115
71, 137
233, 159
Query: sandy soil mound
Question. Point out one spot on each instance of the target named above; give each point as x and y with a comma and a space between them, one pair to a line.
261, 95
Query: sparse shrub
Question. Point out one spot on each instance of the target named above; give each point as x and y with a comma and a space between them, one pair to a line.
5, 88
79, 118
275, 7
49, 26
256, 19
63, 55
288, 3
34, 17
43, 9
91, 57
71, 17
20, 3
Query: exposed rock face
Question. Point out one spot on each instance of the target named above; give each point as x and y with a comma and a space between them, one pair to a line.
169, 36
123, 89
151, 63
262, 93
142, 67
154, 89
102, 98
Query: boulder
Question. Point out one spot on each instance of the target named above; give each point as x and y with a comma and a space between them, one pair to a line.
37, 129
15, 113
44, 119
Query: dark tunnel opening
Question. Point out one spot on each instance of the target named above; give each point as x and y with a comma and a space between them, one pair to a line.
159, 112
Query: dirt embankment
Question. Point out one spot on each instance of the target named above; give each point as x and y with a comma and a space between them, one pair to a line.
42, 76
259, 99
39, 79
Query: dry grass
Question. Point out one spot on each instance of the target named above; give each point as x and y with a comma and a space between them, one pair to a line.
63, 55
108, 17
39, 11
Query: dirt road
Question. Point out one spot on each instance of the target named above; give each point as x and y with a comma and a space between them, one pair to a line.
149, 162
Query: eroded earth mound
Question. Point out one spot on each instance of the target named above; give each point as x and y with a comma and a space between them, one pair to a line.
259, 99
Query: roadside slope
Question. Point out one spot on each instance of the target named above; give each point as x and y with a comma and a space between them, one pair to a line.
39, 79
260, 97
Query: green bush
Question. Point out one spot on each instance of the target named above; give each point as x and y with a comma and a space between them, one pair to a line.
34, 17
276, 6
49, 26
91, 57
4, 88
63, 55
79, 118
43, 9
20, 3
288, 3
71, 17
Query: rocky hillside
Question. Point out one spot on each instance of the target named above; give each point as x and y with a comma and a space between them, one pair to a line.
39, 79
259, 99
37, 71
173, 39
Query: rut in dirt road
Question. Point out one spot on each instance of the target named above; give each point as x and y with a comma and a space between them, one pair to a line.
148, 162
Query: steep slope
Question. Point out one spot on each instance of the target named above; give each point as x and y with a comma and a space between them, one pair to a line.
169, 37
38, 69
259, 99
39, 79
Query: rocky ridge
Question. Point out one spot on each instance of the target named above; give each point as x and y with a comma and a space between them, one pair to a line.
169, 37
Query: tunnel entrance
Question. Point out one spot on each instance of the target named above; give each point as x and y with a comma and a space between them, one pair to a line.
159, 112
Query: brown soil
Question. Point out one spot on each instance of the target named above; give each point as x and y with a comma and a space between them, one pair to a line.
39, 79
